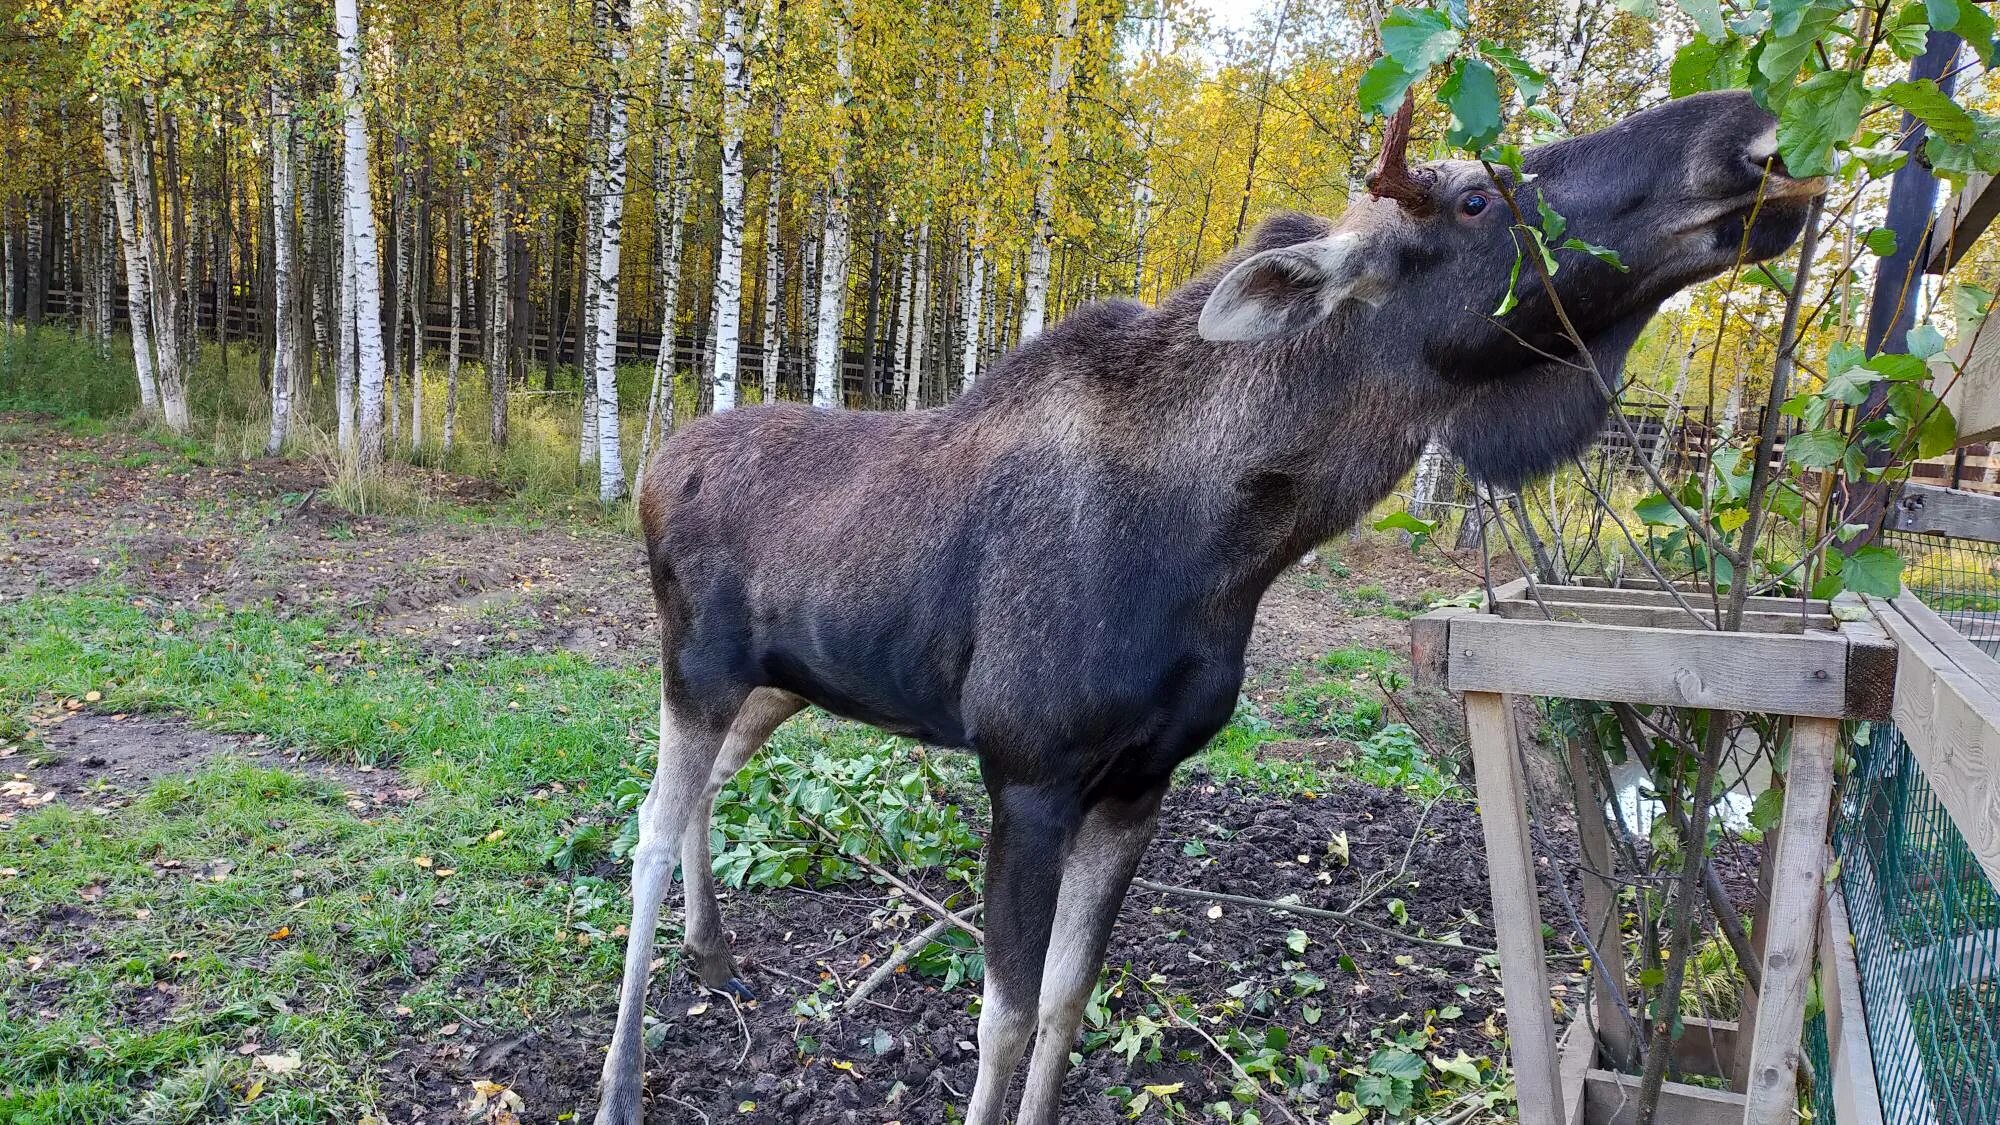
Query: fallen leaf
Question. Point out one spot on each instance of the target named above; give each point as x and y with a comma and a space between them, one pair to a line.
92, 696
280, 934
1215, 911
422, 861
256, 1088
280, 1064
448, 1029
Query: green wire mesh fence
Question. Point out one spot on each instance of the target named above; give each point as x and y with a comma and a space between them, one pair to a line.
1959, 579
1926, 926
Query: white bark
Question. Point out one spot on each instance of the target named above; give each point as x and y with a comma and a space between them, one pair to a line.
833, 267
1425, 490
593, 241
611, 221
774, 244
361, 238
975, 292
1676, 405
809, 256
920, 308
284, 372
344, 377
906, 287
1042, 219
458, 255
496, 314
106, 272
671, 163
729, 259
138, 278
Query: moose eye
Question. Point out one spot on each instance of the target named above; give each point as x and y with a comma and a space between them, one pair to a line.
1472, 204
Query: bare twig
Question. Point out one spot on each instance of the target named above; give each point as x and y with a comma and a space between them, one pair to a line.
1306, 911
936, 908
899, 957
1242, 1076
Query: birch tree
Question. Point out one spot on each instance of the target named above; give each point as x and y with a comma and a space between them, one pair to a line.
774, 242
366, 270
138, 277
670, 176
729, 259
458, 257
284, 372
1042, 218
975, 292
611, 215
833, 264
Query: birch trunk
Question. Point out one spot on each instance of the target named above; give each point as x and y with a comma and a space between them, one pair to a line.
420, 281
138, 279
367, 269
833, 266
728, 312
593, 242
920, 306
611, 216
1042, 219
906, 288
344, 376
1676, 404
284, 371
169, 372
496, 316
457, 256
774, 243
975, 293
106, 272
671, 164
1425, 491
809, 256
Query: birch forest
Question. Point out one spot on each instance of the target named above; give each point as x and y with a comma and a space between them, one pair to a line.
428, 225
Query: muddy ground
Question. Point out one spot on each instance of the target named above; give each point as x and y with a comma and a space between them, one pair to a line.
80, 509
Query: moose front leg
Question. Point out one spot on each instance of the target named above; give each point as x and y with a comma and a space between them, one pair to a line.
1095, 876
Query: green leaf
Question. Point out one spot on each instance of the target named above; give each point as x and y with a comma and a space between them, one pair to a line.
1395, 1062
1971, 23
1472, 93
1924, 341
1419, 530
1527, 79
1899, 366
1508, 302
1907, 34
1418, 38
1880, 242
1602, 253
1706, 14
1923, 100
1851, 385
1969, 305
1815, 449
1820, 115
1796, 26
1873, 570
1657, 511
1382, 88
1553, 224
1461, 1067
1935, 429
1765, 810
1705, 64
1955, 161
1295, 941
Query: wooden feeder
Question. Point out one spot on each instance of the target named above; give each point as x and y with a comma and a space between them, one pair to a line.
1639, 644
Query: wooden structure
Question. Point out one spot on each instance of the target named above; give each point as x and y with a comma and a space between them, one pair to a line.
1640, 645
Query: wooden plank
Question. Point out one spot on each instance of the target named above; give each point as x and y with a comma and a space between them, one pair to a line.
1856, 1101
1430, 638
1926, 509
1965, 217
1871, 658
1653, 616
1578, 1053
1611, 1098
1517, 920
1706, 1047
1607, 1017
1950, 719
1803, 675
1972, 391
1697, 598
1772, 1088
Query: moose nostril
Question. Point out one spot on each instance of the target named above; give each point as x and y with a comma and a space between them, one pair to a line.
1762, 153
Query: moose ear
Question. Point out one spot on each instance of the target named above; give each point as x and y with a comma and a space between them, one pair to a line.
1278, 291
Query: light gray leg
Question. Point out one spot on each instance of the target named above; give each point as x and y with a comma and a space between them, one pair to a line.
704, 946
1005, 1025
1095, 876
688, 750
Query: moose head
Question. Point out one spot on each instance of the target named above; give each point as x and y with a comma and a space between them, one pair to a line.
1414, 275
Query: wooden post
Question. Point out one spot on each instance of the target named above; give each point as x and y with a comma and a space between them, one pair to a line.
1798, 873
1600, 911
1510, 862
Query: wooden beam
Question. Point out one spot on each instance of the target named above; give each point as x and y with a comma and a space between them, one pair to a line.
1926, 509
1607, 1018
1803, 675
1697, 598
1613, 1099
1578, 1056
1654, 616
1949, 716
1517, 918
1430, 637
1856, 1101
1871, 658
1965, 217
1969, 372
1771, 1089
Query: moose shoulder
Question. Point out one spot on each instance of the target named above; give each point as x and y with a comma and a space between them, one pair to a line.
1060, 569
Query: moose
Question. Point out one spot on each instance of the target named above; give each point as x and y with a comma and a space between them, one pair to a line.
1059, 569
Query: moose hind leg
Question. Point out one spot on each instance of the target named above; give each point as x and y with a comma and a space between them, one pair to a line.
704, 948
1031, 827
1095, 876
689, 746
